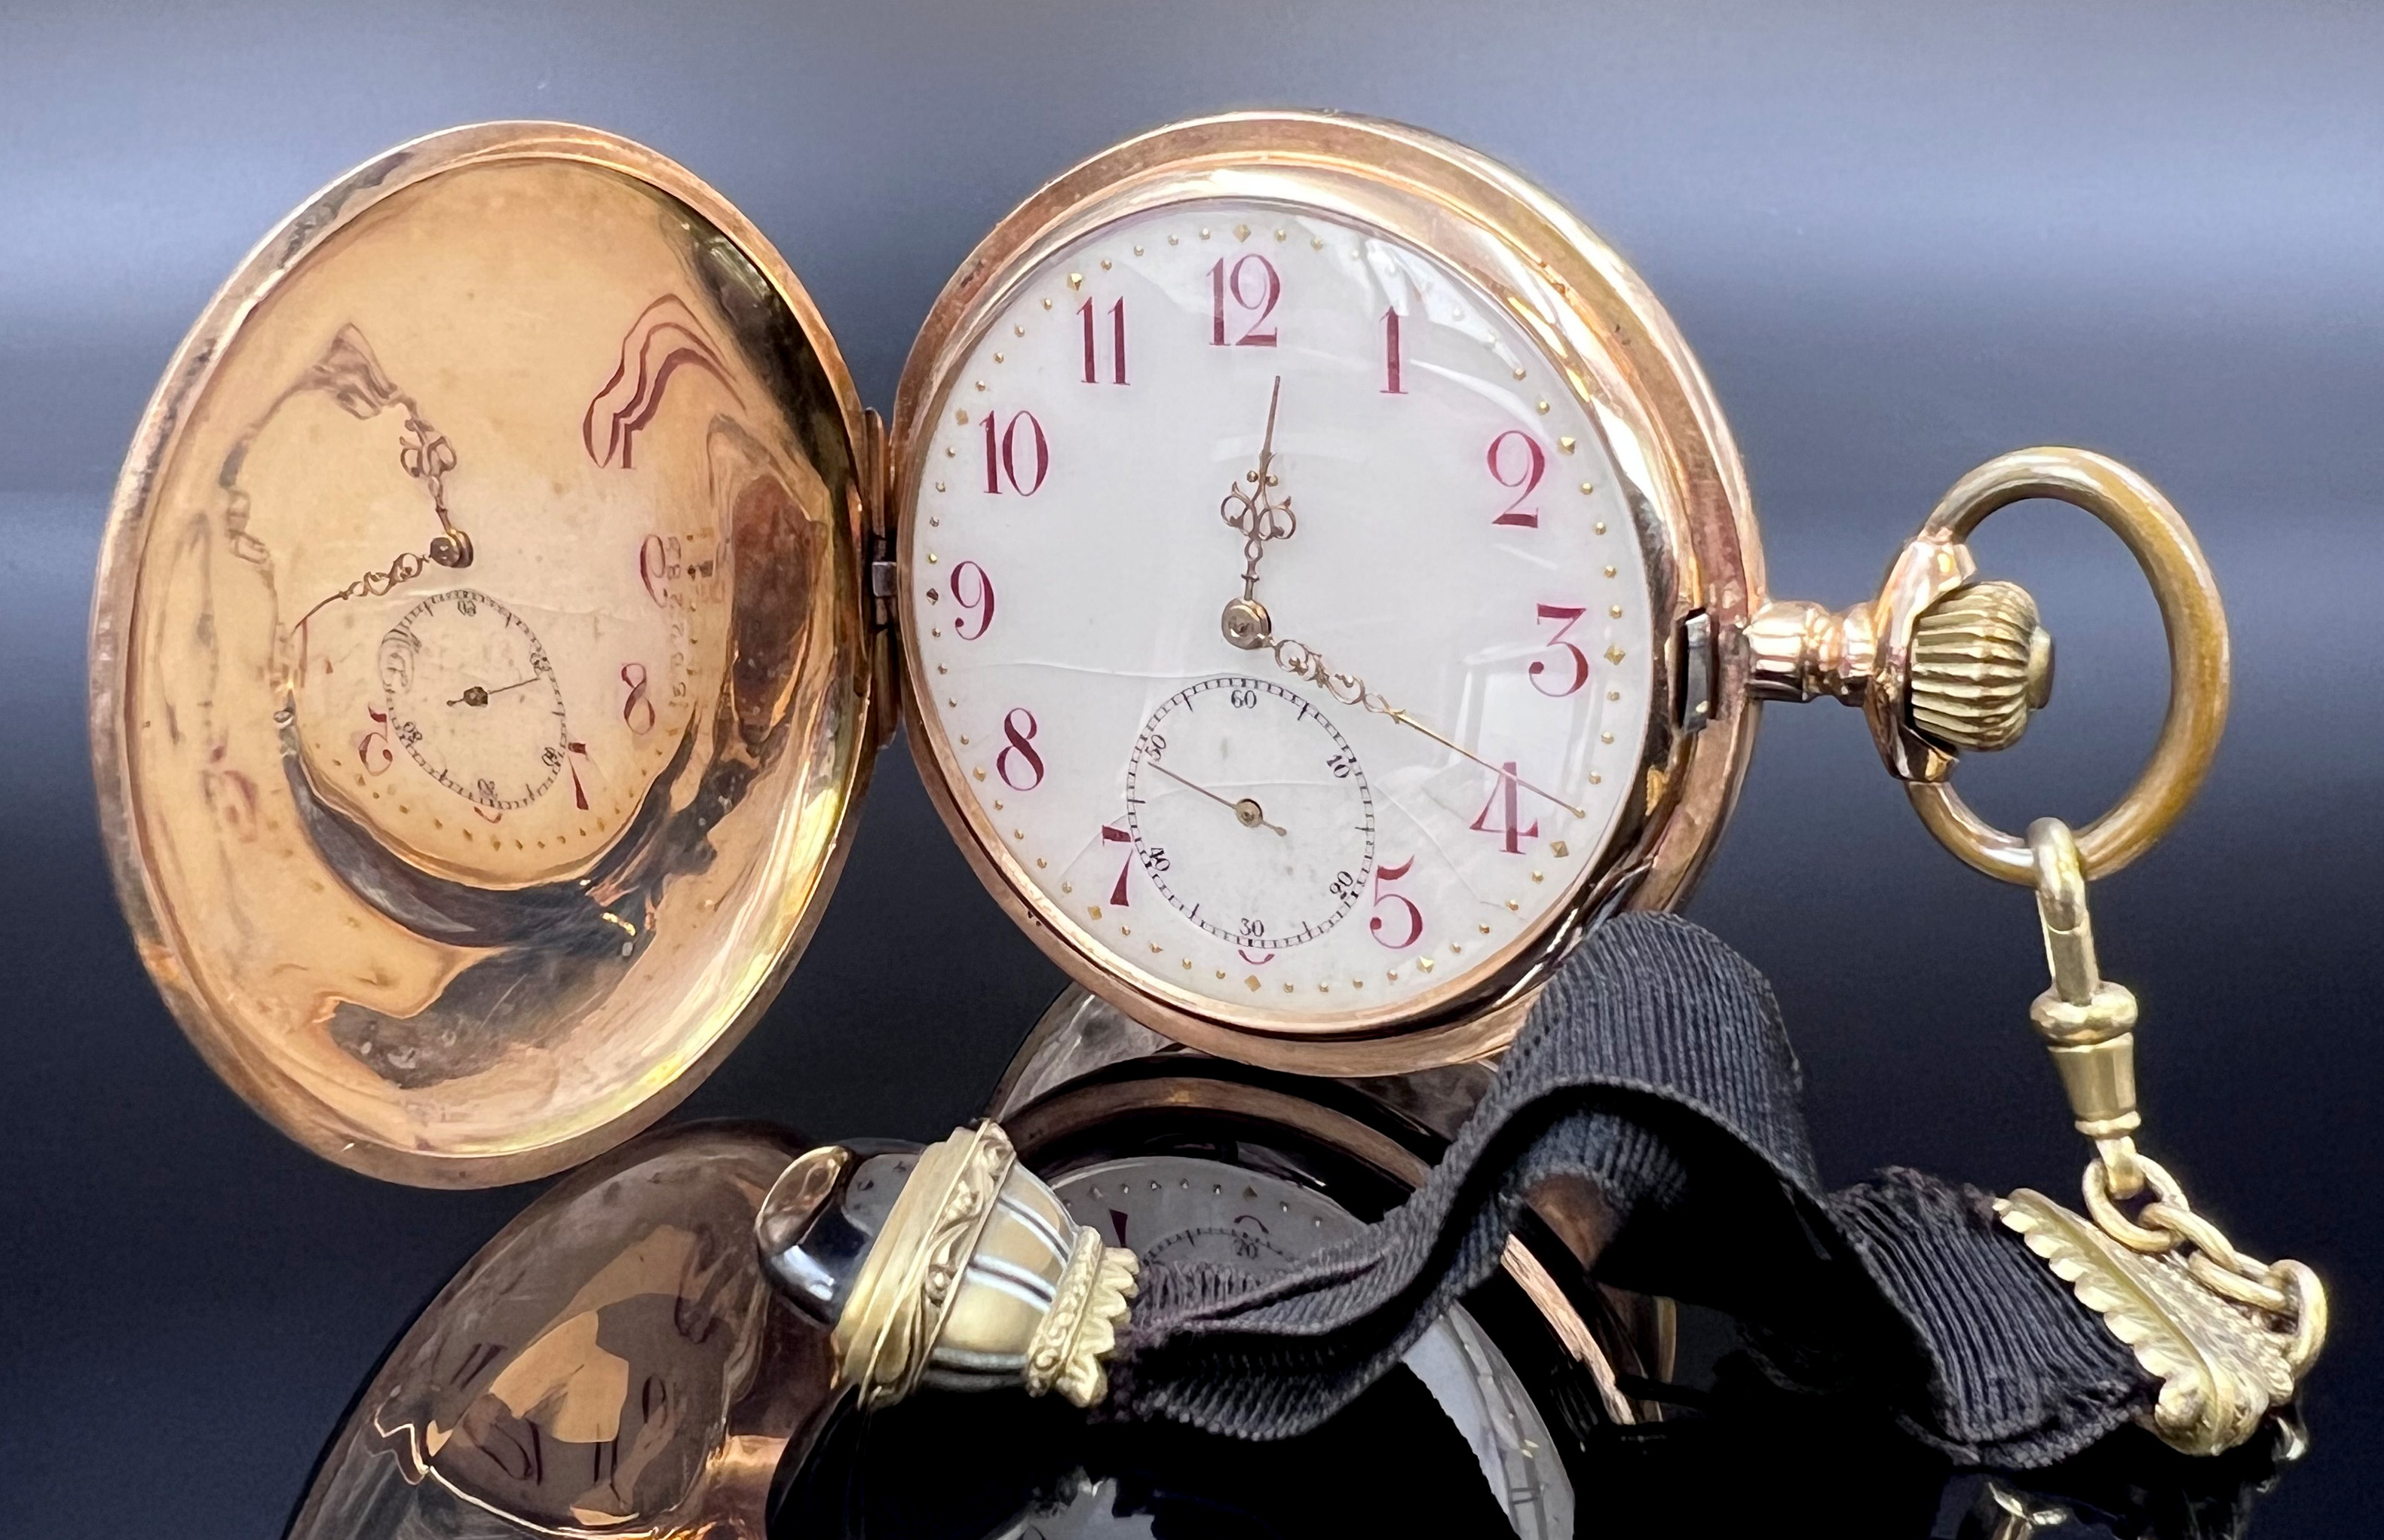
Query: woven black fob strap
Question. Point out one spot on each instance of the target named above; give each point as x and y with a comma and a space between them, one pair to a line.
1654, 1067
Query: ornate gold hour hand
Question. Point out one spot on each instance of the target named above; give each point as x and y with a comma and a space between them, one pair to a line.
1246, 810
1250, 508
1303, 662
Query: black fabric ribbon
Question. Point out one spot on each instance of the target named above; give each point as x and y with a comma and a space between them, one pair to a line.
1654, 1067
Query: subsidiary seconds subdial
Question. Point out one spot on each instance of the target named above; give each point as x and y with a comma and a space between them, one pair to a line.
1251, 812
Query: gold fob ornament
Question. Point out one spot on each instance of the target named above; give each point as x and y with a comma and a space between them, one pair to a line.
953, 1266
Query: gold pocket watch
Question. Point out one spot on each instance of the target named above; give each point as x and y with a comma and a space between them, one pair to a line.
1316, 574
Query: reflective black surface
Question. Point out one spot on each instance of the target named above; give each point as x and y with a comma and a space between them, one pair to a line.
1741, 1456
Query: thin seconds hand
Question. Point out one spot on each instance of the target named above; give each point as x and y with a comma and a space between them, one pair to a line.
1247, 810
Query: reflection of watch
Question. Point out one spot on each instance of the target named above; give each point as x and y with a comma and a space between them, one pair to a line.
630, 1304
1186, 1158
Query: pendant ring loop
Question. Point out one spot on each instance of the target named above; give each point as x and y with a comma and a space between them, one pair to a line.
2190, 614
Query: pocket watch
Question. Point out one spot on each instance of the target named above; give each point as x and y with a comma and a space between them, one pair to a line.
1314, 574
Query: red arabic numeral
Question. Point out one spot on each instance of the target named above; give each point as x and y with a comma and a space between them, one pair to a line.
578, 792
654, 568
372, 746
1253, 300
1502, 796
1110, 836
1001, 454
1393, 384
980, 599
1021, 745
637, 708
1564, 616
1117, 344
1519, 471
1384, 876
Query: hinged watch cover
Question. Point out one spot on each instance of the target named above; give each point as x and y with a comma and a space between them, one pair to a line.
520, 454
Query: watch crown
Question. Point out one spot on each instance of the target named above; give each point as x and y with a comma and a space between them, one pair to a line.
1981, 663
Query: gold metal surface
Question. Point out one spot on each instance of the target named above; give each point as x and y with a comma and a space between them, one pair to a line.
979, 1265
1981, 663
1613, 346
2190, 613
2221, 1367
612, 1363
2227, 1335
545, 367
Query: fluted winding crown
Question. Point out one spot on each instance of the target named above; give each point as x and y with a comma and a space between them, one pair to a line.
1981, 663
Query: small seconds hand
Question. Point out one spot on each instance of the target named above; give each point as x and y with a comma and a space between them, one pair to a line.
1247, 810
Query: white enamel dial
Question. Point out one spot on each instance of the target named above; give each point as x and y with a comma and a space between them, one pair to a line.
1441, 522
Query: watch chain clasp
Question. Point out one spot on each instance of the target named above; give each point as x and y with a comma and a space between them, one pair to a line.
2228, 1336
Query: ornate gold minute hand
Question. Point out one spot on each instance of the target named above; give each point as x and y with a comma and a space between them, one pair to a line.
1253, 510
1303, 662
1245, 811
1250, 508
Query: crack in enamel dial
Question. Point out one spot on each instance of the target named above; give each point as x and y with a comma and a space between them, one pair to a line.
1119, 453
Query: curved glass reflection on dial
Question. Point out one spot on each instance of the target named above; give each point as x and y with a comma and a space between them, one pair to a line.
1249, 812
1179, 1208
1227, 400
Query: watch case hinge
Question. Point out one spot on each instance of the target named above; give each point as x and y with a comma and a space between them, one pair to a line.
1697, 671
878, 480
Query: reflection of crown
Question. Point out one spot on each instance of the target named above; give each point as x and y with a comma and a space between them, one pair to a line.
977, 1278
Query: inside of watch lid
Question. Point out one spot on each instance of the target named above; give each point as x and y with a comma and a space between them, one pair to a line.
493, 682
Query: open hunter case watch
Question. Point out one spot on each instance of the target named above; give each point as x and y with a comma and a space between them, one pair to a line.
1318, 583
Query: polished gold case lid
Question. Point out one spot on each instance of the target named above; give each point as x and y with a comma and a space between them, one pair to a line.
519, 382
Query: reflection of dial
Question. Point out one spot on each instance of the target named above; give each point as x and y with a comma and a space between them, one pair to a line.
1249, 812
1183, 1210
472, 697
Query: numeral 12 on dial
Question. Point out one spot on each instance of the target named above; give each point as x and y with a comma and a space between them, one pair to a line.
1253, 286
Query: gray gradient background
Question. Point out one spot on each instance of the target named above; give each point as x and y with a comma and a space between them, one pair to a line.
1902, 239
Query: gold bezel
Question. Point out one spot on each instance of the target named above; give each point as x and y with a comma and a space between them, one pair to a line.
807, 839
1616, 348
